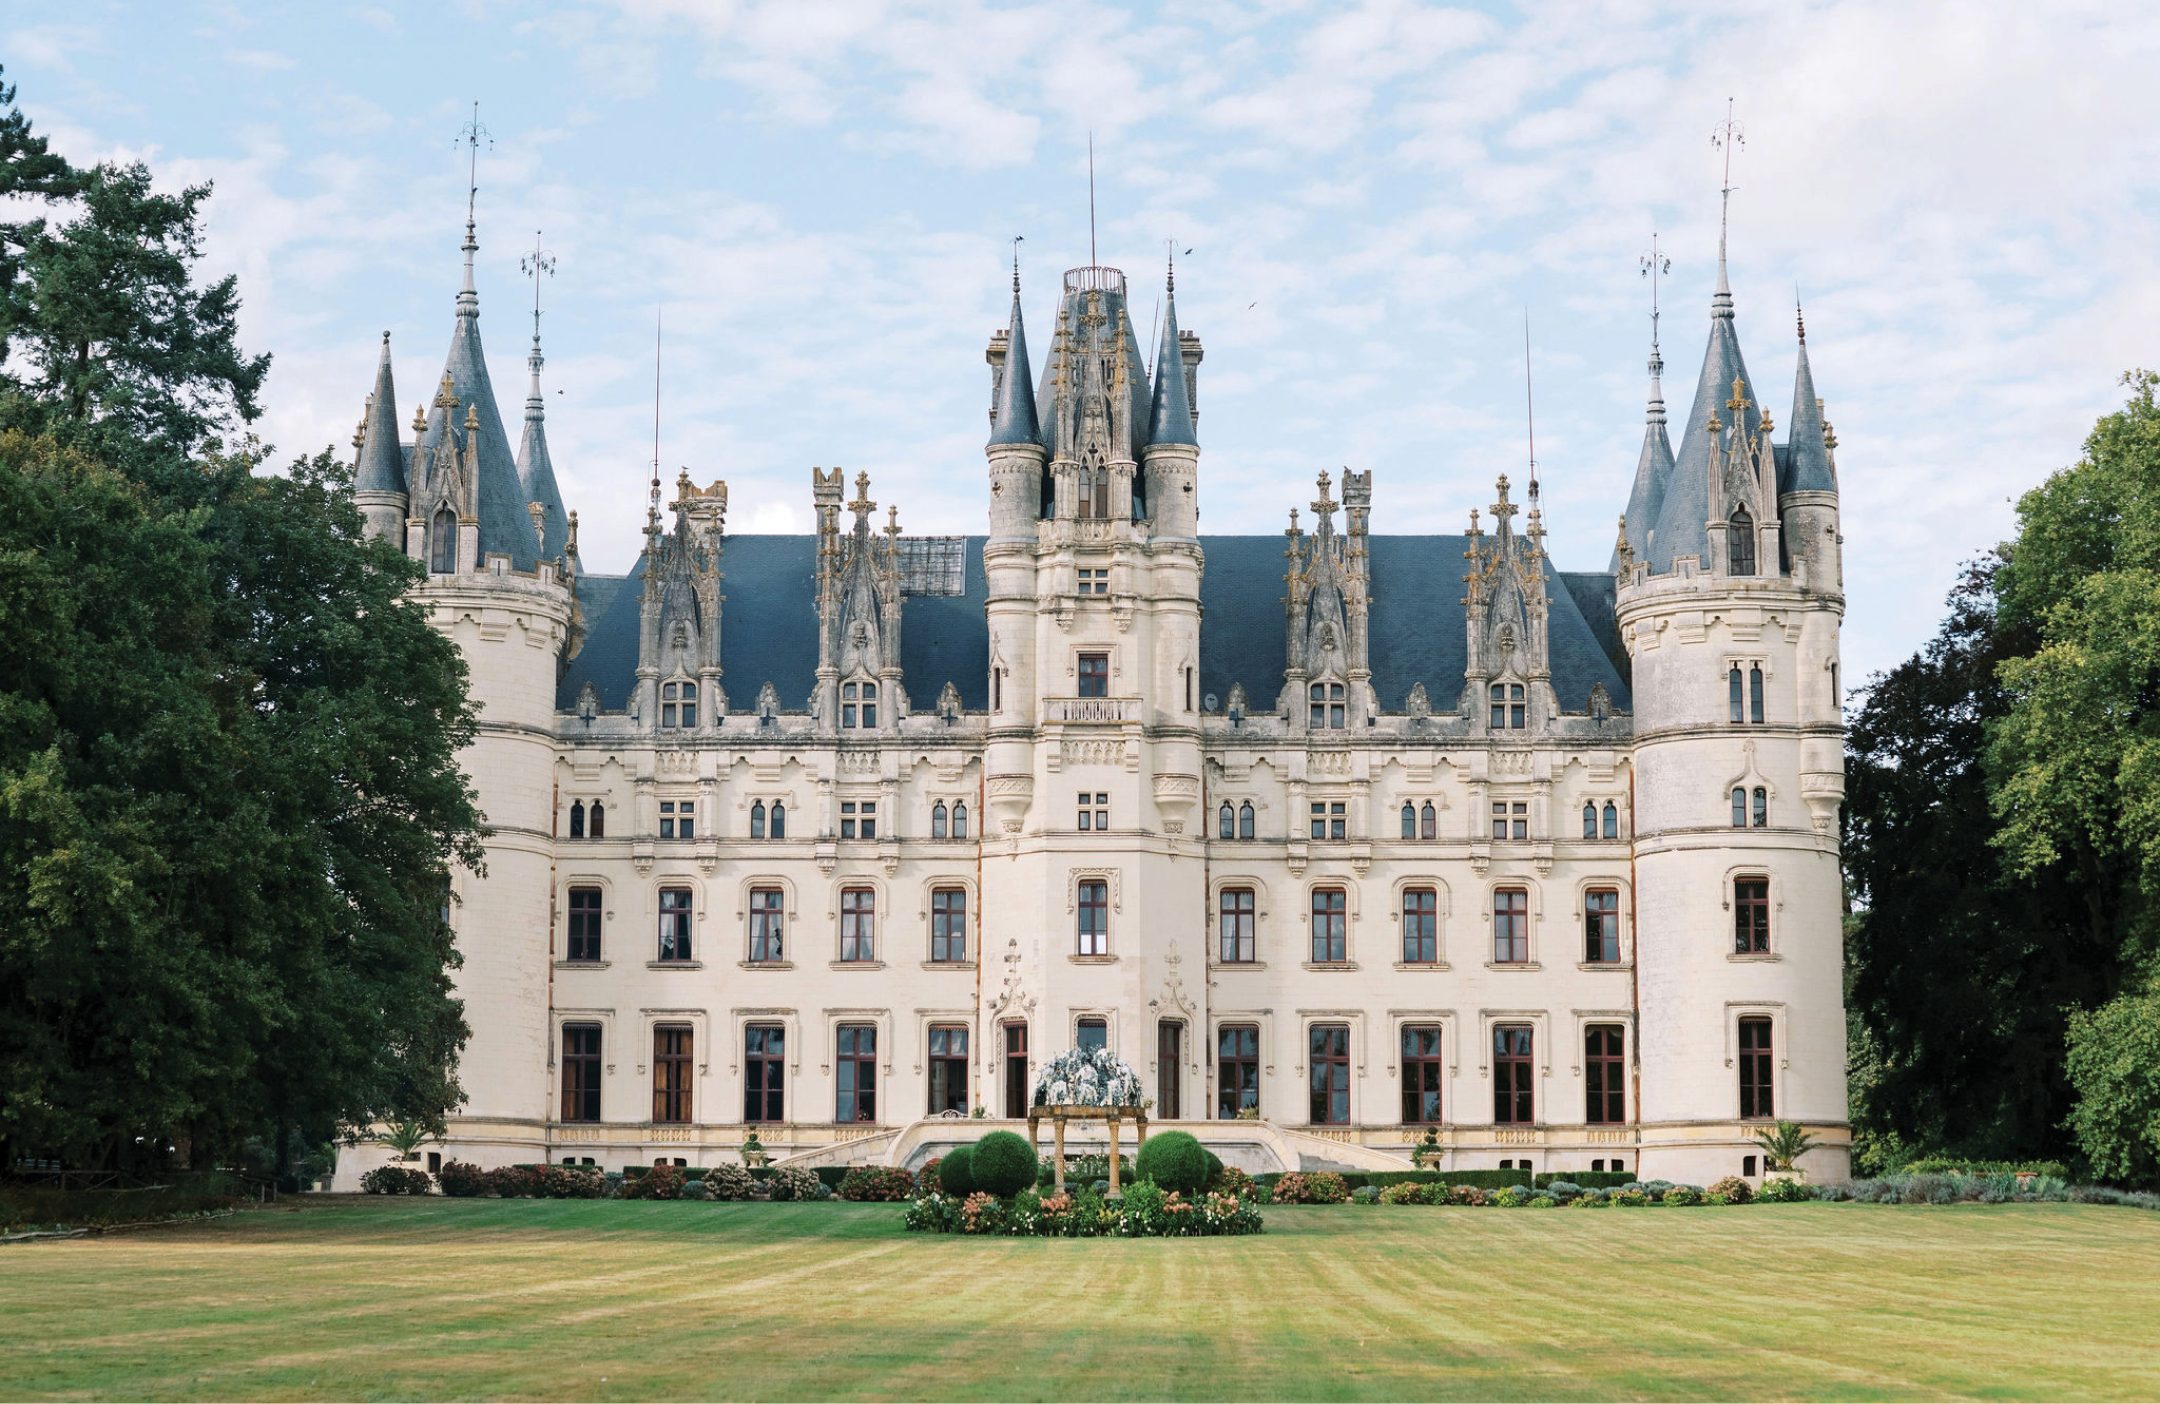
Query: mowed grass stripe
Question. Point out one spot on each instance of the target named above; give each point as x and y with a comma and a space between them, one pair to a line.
462, 1299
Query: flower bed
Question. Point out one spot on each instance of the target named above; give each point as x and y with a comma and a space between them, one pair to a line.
1146, 1211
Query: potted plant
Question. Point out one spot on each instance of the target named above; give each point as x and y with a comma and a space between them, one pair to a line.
1782, 1145
753, 1150
1427, 1147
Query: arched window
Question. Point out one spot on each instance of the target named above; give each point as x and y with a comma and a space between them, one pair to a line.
598, 826
1510, 708
1409, 820
1589, 820
1740, 536
1244, 820
678, 704
1739, 807
577, 818
1225, 821
1754, 693
1732, 692
858, 705
442, 543
937, 820
1762, 808
1328, 710
757, 819
779, 819
959, 820
1428, 822
1612, 821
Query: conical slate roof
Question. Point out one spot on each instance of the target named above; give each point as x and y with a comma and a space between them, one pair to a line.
1681, 516
1653, 470
536, 471
505, 529
1806, 466
1170, 421
1016, 419
381, 465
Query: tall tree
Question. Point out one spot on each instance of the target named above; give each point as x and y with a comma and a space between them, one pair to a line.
229, 793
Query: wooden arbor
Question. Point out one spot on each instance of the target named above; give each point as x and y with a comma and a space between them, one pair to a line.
1058, 1116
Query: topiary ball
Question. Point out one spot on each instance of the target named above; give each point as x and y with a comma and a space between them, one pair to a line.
1175, 1161
1002, 1164
1214, 1167
955, 1175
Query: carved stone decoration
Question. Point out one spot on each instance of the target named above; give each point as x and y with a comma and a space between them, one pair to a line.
1505, 610
948, 704
1417, 706
1327, 601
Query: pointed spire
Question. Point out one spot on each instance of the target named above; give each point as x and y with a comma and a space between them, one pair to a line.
1016, 420
536, 469
1807, 466
1170, 419
1654, 467
380, 466
1725, 136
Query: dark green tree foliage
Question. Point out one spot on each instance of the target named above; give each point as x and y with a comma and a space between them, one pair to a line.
229, 796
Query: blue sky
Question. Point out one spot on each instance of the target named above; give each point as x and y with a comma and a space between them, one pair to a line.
823, 195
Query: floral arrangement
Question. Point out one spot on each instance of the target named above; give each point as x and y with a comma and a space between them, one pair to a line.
877, 1182
1147, 1211
1087, 1077
1312, 1187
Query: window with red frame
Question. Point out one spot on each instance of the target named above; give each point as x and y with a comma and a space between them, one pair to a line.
671, 1074
1422, 1071
1514, 1103
1604, 1074
1756, 1100
1751, 915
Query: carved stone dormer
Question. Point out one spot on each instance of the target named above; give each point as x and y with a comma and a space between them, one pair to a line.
679, 612
1743, 519
859, 682
443, 530
1509, 671
1327, 683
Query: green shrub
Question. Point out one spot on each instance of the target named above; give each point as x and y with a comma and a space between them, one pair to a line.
1313, 1187
1683, 1196
1788, 1191
1404, 1192
1630, 1198
1214, 1168
1175, 1160
729, 1182
1002, 1164
1735, 1189
955, 1176
1508, 1197
658, 1182
1541, 1201
517, 1181
1237, 1182
571, 1182
877, 1184
1588, 1179
1951, 1165
795, 1184
462, 1181
1468, 1196
695, 1189
1364, 1194
395, 1179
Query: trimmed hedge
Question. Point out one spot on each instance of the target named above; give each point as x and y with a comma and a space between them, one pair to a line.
955, 1175
1588, 1179
1002, 1164
1176, 1161
1381, 1179
833, 1175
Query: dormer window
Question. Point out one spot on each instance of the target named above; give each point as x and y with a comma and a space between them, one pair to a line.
678, 705
858, 706
1510, 706
1327, 703
1740, 536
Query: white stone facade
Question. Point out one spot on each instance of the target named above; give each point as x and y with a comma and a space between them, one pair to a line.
1090, 882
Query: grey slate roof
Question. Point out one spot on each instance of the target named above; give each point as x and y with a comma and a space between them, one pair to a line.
381, 466
504, 527
1806, 467
1170, 421
1653, 476
1681, 517
1016, 422
1136, 375
768, 629
536, 470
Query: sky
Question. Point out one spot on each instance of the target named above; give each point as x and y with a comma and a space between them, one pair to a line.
1374, 195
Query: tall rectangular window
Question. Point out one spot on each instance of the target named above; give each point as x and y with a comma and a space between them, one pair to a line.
764, 1073
1420, 926
584, 923
1094, 675
1755, 1095
1513, 1101
1016, 1071
1605, 1074
768, 923
1601, 926
1732, 693
1329, 1074
948, 924
1235, 925
948, 1069
1511, 926
671, 1074
1169, 1068
1092, 931
858, 923
1751, 915
1755, 691
1423, 1068
1330, 925
1237, 1070
675, 913
580, 1072
855, 1073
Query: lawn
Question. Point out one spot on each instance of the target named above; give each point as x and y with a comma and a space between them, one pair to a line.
467, 1298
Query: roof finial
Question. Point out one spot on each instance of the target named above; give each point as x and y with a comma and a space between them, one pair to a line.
1529, 408
1655, 265
1170, 263
652, 514
1091, 200
534, 264
1799, 316
1017, 241
470, 136
1725, 136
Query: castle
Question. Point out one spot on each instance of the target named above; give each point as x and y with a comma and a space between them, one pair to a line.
1341, 840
